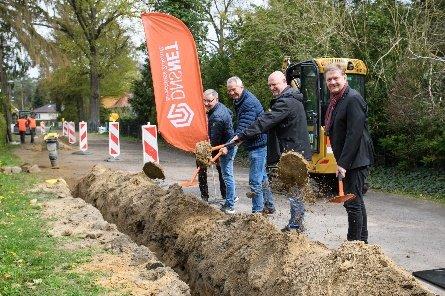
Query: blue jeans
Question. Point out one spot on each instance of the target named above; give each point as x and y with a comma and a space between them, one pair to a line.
226, 162
258, 181
296, 209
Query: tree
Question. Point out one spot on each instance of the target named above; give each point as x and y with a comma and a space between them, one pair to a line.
191, 12
88, 24
143, 101
17, 22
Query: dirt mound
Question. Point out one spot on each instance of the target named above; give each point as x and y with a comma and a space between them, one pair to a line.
124, 266
240, 254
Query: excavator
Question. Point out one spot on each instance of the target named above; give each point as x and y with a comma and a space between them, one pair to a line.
308, 76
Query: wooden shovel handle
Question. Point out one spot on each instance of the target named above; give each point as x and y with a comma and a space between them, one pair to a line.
195, 173
216, 156
219, 147
340, 186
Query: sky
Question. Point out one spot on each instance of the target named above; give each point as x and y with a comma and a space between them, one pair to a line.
137, 35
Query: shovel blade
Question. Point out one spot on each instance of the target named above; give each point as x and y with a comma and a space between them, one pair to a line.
188, 184
341, 198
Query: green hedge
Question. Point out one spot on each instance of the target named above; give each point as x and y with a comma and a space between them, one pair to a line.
2, 130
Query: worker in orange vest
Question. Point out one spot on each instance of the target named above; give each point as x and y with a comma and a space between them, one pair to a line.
22, 123
32, 126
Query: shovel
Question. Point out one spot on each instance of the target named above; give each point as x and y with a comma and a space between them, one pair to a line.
192, 182
341, 197
228, 144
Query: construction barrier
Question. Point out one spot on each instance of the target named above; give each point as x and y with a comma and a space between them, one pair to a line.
42, 127
71, 132
114, 148
65, 128
150, 143
83, 136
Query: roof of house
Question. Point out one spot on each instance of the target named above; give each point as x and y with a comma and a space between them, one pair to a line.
48, 108
113, 102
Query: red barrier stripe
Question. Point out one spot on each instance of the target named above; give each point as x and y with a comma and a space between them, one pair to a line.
150, 151
114, 139
151, 130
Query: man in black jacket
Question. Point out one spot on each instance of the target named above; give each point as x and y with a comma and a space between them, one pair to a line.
287, 130
347, 126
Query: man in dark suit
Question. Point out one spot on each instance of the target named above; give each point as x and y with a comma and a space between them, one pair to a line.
347, 127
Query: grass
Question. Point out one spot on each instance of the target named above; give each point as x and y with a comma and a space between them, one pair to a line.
30, 261
420, 183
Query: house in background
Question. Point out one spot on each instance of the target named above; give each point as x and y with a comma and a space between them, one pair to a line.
119, 105
47, 112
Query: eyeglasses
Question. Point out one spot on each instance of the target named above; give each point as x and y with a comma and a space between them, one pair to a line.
208, 101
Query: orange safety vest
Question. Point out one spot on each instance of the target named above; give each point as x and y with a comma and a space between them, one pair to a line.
22, 123
32, 122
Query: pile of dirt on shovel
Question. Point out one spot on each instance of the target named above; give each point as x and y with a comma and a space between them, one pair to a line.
293, 177
203, 153
219, 254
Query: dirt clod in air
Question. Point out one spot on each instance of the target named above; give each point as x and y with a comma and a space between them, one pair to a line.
293, 169
242, 254
153, 170
293, 177
203, 153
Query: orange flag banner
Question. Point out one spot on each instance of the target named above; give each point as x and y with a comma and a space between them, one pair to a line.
177, 81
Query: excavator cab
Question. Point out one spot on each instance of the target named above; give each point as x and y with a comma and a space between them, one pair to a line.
308, 76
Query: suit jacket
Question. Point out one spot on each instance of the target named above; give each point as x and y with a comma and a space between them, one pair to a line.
349, 134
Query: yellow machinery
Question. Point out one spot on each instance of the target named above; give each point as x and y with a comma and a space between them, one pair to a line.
309, 77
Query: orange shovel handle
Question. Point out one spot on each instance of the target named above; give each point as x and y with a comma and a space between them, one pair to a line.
340, 187
195, 173
216, 156
218, 147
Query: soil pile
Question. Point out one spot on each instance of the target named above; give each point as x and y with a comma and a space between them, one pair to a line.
237, 254
125, 267
203, 153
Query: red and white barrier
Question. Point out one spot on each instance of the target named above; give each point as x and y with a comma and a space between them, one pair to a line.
114, 148
71, 132
150, 143
65, 129
42, 127
83, 136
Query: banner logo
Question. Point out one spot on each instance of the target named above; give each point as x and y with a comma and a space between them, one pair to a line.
180, 115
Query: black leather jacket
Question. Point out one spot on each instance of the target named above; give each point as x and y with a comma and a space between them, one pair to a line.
286, 124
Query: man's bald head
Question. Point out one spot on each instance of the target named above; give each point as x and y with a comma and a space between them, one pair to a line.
277, 83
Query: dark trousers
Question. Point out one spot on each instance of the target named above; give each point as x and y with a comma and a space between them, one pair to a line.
33, 133
357, 219
203, 187
22, 137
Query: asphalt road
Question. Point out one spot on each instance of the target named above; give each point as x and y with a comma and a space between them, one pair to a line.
410, 231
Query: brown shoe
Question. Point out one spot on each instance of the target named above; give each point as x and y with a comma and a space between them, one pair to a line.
250, 194
268, 211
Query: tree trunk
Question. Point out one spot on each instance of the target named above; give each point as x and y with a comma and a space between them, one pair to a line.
95, 96
80, 108
6, 100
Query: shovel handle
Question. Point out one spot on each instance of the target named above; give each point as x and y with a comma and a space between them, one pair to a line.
195, 173
340, 186
219, 147
223, 145
216, 157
